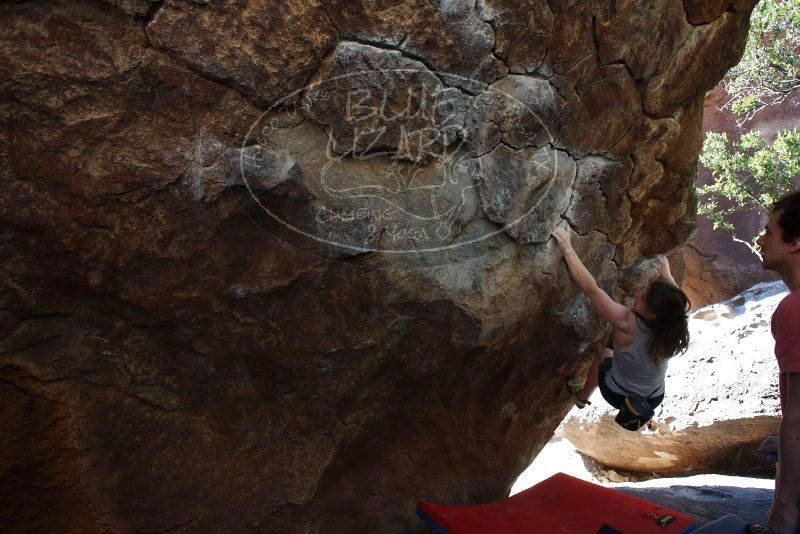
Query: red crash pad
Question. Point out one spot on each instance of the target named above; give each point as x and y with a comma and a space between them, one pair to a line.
560, 504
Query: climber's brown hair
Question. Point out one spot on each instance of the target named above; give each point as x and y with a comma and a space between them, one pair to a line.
789, 220
670, 324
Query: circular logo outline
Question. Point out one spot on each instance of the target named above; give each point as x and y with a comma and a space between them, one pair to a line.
359, 249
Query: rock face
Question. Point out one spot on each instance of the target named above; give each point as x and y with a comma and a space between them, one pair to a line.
721, 400
284, 266
709, 497
714, 267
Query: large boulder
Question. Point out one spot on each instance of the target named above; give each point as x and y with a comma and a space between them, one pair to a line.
721, 399
284, 265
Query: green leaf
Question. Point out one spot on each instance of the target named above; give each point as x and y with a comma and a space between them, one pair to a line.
770, 67
748, 174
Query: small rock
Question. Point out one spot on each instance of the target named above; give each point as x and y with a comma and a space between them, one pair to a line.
706, 314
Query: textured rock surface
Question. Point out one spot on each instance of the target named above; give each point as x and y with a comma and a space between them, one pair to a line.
716, 268
709, 497
721, 399
225, 308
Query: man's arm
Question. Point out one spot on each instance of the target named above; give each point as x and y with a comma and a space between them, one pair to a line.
613, 312
784, 516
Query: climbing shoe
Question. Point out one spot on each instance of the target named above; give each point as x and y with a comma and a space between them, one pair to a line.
574, 386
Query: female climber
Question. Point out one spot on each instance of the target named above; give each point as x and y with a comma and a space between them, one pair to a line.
645, 336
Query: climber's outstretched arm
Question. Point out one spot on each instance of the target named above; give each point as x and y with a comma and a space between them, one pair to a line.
612, 311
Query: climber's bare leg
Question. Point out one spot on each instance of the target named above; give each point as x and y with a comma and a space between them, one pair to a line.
594, 374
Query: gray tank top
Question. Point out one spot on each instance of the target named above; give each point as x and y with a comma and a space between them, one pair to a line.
633, 371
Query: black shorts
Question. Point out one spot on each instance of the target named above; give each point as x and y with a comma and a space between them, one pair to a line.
615, 399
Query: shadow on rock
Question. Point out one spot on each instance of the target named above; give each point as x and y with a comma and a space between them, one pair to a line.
707, 503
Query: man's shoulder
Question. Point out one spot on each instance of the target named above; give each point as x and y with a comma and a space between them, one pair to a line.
791, 302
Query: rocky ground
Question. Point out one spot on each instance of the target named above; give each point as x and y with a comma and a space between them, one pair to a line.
704, 497
732, 337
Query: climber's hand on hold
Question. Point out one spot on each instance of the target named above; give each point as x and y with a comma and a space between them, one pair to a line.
661, 265
562, 237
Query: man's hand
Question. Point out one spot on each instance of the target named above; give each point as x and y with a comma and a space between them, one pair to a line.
561, 235
769, 449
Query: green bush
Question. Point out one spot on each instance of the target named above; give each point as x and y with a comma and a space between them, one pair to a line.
750, 173
769, 70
